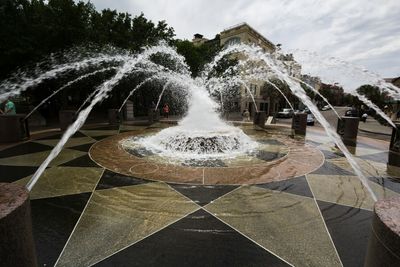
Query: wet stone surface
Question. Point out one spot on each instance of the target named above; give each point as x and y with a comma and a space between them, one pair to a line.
287, 205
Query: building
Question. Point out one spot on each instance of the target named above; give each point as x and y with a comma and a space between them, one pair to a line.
244, 33
198, 39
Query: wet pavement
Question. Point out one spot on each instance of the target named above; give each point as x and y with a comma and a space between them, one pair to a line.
85, 214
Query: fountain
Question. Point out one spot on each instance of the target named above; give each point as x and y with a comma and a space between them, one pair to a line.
201, 133
202, 148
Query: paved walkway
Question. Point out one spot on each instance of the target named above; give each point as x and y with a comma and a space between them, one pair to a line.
373, 126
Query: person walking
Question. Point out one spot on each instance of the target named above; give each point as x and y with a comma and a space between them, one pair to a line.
246, 115
166, 110
9, 108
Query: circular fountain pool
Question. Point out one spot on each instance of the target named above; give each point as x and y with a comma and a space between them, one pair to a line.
246, 157
178, 145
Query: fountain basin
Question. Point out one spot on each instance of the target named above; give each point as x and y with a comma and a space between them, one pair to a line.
276, 158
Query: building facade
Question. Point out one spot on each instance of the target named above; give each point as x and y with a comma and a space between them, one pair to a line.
244, 33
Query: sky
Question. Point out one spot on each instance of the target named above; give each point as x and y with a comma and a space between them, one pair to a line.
363, 32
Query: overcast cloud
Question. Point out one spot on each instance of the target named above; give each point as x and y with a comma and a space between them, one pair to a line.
365, 32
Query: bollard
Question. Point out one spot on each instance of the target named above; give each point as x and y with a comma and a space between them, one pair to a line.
13, 128
299, 123
347, 128
66, 117
394, 148
259, 118
153, 116
129, 114
384, 242
113, 116
17, 246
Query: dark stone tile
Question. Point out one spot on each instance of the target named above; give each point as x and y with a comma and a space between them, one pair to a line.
11, 174
350, 230
53, 220
59, 135
111, 179
298, 186
387, 182
378, 157
104, 128
197, 240
83, 161
83, 148
329, 168
204, 163
22, 149
203, 194
98, 138
332, 155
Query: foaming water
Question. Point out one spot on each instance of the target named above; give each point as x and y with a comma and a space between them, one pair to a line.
201, 134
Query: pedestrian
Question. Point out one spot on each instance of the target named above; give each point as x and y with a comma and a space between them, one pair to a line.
166, 110
246, 115
9, 108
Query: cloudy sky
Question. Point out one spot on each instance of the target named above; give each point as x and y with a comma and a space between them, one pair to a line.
366, 33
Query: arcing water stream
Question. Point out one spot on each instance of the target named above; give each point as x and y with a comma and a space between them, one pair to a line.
201, 133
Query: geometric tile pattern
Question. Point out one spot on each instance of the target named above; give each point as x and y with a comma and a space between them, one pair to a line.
285, 224
53, 220
59, 181
70, 143
35, 159
346, 190
196, 240
350, 230
298, 186
83, 214
111, 179
203, 194
129, 213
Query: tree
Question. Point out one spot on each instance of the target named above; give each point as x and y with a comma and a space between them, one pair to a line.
374, 94
197, 56
275, 97
30, 30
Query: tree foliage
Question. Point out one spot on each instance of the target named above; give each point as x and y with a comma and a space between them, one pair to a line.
196, 55
374, 94
32, 29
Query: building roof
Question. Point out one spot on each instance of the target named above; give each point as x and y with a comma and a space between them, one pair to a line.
244, 24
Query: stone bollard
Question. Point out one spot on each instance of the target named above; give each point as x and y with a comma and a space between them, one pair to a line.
66, 117
13, 128
129, 111
259, 118
347, 128
154, 115
17, 246
394, 148
299, 123
113, 116
384, 242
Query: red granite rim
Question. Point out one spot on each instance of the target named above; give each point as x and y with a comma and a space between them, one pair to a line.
300, 160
